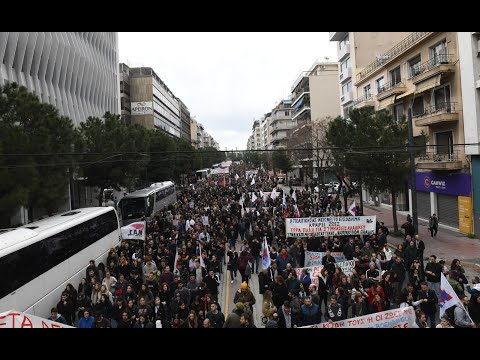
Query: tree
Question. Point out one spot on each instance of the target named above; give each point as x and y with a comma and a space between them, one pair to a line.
40, 178
281, 161
321, 154
299, 144
114, 152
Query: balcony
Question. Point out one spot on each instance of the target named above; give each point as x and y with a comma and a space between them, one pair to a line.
343, 52
391, 88
301, 96
393, 53
300, 110
346, 75
439, 64
436, 114
364, 101
337, 36
346, 98
442, 161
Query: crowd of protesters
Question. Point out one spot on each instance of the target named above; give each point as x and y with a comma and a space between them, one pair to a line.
173, 278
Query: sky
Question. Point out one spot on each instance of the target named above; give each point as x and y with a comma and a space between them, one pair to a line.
227, 80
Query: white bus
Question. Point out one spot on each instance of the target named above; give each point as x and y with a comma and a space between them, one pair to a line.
146, 202
39, 259
203, 174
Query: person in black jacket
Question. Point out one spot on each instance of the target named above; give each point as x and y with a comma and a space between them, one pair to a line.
334, 311
125, 322
55, 316
429, 300
66, 309
433, 272
263, 281
286, 318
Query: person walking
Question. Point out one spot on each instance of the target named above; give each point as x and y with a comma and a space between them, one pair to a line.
433, 225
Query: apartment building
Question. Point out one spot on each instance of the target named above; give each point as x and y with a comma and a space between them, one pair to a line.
193, 133
251, 143
280, 123
124, 76
469, 52
422, 71
356, 50
184, 121
315, 93
266, 136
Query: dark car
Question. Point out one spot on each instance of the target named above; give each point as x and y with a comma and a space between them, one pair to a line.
295, 182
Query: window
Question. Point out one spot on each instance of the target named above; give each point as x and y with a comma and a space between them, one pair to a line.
346, 111
43, 255
287, 113
444, 142
343, 43
345, 65
380, 82
397, 112
438, 53
441, 98
346, 88
417, 106
414, 66
367, 91
395, 76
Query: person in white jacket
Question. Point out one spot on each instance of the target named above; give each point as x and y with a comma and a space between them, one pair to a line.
109, 281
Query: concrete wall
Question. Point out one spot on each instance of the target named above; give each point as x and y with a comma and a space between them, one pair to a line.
324, 94
141, 89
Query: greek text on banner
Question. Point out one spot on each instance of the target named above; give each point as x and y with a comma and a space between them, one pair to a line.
396, 318
330, 226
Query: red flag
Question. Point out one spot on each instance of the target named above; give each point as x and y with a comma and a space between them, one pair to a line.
223, 181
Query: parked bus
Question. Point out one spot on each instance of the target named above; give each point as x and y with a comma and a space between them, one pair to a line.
144, 203
39, 259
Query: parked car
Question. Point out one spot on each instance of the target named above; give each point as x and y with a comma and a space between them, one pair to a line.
295, 182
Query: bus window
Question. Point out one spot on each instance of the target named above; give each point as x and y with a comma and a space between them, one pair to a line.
150, 204
133, 208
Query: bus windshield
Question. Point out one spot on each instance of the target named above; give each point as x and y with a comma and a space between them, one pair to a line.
132, 208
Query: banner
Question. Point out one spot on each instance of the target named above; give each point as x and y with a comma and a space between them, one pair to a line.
314, 271
18, 320
135, 231
330, 226
396, 318
314, 258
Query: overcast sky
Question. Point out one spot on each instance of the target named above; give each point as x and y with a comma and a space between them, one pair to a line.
227, 79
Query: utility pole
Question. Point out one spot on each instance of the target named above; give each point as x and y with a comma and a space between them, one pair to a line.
413, 180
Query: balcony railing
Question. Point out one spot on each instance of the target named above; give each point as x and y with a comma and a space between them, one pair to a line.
431, 156
362, 99
443, 107
392, 53
390, 85
430, 64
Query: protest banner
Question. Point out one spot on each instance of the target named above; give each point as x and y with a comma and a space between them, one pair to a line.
395, 318
314, 258
18, 320
134, 231
314, 271
330, 226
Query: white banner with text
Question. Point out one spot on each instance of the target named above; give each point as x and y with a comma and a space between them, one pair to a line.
330, 226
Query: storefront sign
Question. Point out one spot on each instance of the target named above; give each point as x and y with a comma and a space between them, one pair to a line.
465, 214
142, 108
451, 184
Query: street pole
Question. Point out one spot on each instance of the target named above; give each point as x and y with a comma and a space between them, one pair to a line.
413, 183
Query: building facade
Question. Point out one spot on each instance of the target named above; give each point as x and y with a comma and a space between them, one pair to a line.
266, 137
77, 72
315, 93
124, 76
193, 133
280, 123
356, 50
469, 51
152, 103
184, 121
422, 71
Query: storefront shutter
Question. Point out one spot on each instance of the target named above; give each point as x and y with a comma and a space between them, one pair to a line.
423, 204
447, 210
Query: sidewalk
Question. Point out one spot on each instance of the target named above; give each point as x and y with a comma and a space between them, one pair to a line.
446, 245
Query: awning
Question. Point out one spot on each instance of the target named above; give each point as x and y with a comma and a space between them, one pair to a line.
382, 104
299, 103
405, 94
428, 84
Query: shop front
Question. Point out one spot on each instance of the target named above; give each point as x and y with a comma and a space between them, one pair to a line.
447, 195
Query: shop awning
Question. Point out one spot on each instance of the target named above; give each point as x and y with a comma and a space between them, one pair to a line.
428, 84
382, 104
405, 94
